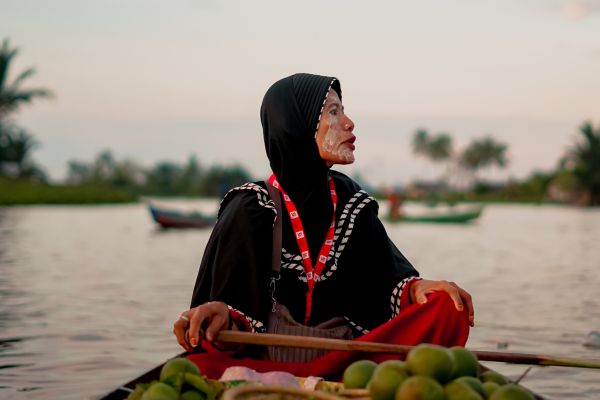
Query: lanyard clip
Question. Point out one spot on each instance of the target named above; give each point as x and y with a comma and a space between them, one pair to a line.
272, 286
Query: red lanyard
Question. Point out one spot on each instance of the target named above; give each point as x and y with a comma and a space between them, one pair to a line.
313, 275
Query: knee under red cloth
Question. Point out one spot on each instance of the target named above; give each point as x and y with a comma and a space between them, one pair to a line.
436, 321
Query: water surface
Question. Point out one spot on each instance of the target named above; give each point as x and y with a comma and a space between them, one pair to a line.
88, 294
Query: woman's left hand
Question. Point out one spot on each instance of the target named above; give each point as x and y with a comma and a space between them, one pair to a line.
461, 298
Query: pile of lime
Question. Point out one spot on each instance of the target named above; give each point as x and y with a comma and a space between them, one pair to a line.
432, 372
180, 379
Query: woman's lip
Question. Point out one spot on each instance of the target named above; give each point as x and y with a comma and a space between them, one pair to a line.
351, 145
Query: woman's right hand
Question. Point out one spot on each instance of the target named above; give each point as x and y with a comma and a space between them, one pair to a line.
205, 320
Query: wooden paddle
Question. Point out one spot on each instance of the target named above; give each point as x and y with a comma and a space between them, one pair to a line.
269, 339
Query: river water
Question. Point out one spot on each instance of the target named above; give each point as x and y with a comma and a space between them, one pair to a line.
88, 294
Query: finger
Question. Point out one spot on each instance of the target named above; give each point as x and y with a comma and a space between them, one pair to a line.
455, 296
179, 329
195, 327
421, 296
468, 301
215, 326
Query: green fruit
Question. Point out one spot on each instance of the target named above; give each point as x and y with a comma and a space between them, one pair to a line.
199, 383
474, 383
493, 376
420, 388
456, 390
490, 387
465, 362
358, 374
511, 392
177, 366
160, 391
192, 395
386, 378
139, 390
431, 360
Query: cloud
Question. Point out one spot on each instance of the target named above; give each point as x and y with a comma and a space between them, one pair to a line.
575, 10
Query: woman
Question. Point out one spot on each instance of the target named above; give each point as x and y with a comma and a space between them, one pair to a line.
336, 260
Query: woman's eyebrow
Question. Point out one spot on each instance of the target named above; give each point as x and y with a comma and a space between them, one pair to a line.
335, 104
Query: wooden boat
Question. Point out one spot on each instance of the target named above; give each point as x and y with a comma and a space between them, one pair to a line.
448, 217
123, 391
177, 219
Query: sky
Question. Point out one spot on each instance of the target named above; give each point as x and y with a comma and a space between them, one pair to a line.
155, 80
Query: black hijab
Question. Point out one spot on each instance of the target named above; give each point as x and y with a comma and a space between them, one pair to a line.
290, 114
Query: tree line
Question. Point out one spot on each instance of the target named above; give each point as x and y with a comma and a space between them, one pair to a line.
576, 178
165, 178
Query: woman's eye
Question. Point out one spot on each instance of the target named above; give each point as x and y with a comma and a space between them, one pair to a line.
333, 111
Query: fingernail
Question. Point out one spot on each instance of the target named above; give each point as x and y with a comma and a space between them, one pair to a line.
460, 308
194, 342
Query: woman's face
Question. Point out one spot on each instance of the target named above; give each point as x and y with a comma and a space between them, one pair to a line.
335, 139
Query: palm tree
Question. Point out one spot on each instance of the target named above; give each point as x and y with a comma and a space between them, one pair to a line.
437, 148
12, 96
15, 147
586, 158
483, 153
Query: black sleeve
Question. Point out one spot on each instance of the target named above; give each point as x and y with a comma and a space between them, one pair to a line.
237, 260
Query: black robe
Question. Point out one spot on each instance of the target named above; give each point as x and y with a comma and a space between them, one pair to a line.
364, 273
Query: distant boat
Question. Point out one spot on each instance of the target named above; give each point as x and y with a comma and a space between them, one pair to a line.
180, 219
446, 217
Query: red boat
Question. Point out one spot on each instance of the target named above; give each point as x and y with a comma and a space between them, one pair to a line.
178, 219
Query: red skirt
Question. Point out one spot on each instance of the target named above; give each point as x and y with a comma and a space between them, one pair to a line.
436, 321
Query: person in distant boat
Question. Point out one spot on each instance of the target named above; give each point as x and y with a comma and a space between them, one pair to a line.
339, 270
395, 201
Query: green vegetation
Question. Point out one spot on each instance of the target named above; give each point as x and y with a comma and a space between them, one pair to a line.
163, 179
15, 143
21, 191
575, 180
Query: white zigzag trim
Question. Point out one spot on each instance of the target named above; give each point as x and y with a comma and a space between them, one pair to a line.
356, 326
351, 210
255, 325
397, 294
261, 193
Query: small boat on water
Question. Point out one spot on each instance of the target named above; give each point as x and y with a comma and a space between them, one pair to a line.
123, 391
448, 216
168, 218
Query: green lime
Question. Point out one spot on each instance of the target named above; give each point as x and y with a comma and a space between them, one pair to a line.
465, 362
358, 374
490, 387
493, 376
474, 383
420, 388
511, 392
160, 391
456, 390
431, 360
386, 378
192, 395
177, 366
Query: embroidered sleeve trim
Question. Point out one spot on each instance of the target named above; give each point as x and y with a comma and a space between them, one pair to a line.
397, 295
356, 327
254, 325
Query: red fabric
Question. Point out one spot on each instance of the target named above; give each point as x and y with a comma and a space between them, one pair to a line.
436, 321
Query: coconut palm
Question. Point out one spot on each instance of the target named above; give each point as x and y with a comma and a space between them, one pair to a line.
585, 155
12, 95
483, 153
437, 148
15, 147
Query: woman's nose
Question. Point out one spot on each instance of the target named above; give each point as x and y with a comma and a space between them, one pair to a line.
349, 124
